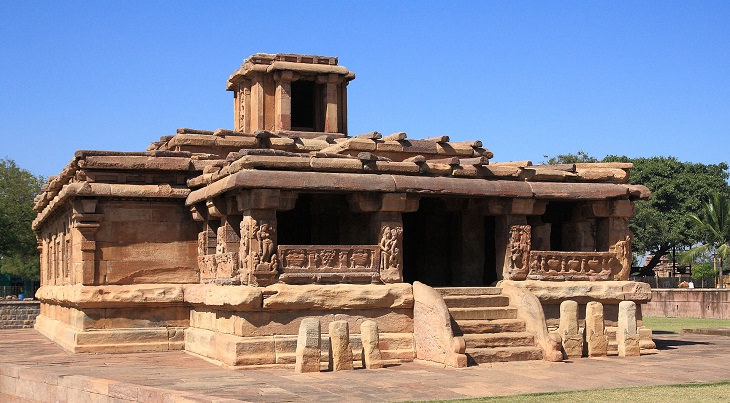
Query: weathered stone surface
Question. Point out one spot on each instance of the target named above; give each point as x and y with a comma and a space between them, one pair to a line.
568, 329
232, 297
627, 335
262, 323
595, 331
339, 296
340, 351
531, 312
371, 356
432, 332
308, 346
585, 291
111, 295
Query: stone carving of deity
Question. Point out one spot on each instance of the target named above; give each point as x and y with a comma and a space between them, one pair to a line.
519, 244
390, 249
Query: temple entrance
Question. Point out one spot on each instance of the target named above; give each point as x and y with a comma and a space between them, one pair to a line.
445, 244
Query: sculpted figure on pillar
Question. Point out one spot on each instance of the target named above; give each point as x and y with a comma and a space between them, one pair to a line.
519, 244
258, 244
390, 243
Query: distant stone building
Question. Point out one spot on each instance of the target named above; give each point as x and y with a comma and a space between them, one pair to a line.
221, 242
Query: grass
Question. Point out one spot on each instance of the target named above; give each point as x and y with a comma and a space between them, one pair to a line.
691, 392
675, 325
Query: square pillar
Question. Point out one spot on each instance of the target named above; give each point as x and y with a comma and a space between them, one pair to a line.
502, 228
283, 101
257, 250
389, 225
331, 114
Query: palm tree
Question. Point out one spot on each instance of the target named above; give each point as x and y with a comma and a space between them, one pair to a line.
714, 218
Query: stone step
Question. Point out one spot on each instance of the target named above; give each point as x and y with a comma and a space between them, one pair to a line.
483, 313
506, 339
474, 301
491, 326
503, 354
468, 290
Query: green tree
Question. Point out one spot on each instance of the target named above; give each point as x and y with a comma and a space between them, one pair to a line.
702, 271
714, 219
678, 190
580, 156
18, 247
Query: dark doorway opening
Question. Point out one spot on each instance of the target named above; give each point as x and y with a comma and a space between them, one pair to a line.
445, 246
322, 219
306, 108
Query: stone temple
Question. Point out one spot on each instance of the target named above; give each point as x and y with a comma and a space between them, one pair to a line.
221, 243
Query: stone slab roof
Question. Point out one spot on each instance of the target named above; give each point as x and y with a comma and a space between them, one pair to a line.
196, 164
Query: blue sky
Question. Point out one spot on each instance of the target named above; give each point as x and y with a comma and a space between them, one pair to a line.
527, 78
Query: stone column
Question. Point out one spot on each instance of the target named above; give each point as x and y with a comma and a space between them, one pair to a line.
283, 100
85, 223
256, 116
595, 330
257, 247
371, 356
502, 226
387, 223
627, 334
330, 119
568, 329
340, 350
309, 342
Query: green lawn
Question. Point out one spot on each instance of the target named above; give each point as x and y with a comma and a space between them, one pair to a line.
706, 392
675, 325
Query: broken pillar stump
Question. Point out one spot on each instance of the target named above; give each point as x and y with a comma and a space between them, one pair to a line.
595, 330
568, 329
371, 357
309, 344
627, 334
340, 350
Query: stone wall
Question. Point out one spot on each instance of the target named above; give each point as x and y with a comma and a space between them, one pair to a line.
18, 314
689, 303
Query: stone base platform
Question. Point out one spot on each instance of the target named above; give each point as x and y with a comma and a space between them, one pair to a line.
32, 368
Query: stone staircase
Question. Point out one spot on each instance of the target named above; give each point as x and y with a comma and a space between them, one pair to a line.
489, 325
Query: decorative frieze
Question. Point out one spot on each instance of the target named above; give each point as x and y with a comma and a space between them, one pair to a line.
561, 265
553, 265
329, 264
219, 268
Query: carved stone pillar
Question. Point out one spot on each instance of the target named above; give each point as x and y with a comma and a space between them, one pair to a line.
330, 119
390, 242
503, 227
519, 258
387, 222
86, 222
256, 116
283, 100
259, 261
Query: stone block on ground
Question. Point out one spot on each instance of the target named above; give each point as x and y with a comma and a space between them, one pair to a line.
309, 342
595, 331
340, 351
627, 334
371, 356
568, 329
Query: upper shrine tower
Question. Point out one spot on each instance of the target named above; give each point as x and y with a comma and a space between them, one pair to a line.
277, 92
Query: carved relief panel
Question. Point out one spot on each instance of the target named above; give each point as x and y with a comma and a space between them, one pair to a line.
391, 256
519, 244
258, 247
329, 264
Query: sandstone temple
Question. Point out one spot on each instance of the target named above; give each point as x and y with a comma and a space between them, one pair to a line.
225, 243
